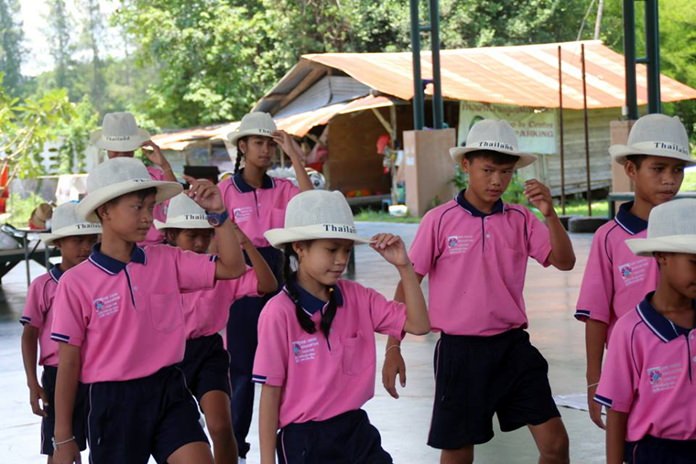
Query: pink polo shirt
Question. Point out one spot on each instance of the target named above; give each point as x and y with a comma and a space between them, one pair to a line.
206, 311
127, 318
615, 279
154, 236
321, 379
38, 313
257, 210
476, 264
649, 374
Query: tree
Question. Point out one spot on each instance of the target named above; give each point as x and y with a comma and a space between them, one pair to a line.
62, 47
93, 31
11, 50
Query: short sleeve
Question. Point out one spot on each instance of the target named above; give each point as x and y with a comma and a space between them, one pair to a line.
388, 316
538, 239
424, 249
619, 381
287, 190
70, 315
194, 271
246, 285
270, 361
597, 288
35, 307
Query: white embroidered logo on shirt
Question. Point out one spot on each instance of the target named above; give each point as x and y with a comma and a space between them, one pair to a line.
634, 272
459, 243
242, 214
107, 305
664, 377
305, 350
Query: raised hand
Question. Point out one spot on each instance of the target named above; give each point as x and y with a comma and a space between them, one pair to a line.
205, 194
539, 195
392, 249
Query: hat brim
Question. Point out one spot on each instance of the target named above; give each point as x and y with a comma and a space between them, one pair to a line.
194, 224
131, 144
525, 159
236, 135
71, 231
279, 237
619, 154
669, 244
89, 204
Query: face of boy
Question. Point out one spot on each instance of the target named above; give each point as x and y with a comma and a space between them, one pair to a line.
75, 249
678, 270
322, 261
196, 240
487, 180
258, 151
129, 217
657, 180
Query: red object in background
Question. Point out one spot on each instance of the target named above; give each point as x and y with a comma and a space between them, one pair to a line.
4, 177
382, 143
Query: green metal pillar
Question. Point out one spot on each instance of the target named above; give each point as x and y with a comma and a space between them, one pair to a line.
418, 110
629, 24
652, 46
438, 111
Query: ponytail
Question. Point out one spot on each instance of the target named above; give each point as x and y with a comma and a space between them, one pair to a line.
303, 318
240, 155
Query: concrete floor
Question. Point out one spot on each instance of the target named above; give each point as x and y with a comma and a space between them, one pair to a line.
403, 423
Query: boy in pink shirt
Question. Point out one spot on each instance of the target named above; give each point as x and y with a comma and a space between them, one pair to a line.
647, 383
615, 279
316, 353
475, 250
74, 237
257, 202
120, 323
206, 364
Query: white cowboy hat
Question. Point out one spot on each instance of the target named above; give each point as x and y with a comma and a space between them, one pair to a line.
655, 135
316, 214
67, 223
119, 132
184, 213
256, 123
493, 135
119, 176
671, 229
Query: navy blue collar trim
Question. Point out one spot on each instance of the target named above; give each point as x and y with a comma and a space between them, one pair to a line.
665, 329
498, 207
55, 273
628, 221
113, 266
311, 303
242, 186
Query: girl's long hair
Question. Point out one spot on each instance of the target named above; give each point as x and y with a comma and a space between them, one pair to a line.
240, 155
303, 318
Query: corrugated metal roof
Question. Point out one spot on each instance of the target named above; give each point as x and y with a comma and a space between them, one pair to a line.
524, 75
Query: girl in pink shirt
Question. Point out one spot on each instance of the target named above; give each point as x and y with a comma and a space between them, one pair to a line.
206, 363
316, 353
257, 203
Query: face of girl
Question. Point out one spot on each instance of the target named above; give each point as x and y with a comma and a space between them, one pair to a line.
75, 249
129, 216
258, 151
196, 240
322, 262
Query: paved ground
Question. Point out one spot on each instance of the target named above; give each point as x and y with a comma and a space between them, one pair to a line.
403, 423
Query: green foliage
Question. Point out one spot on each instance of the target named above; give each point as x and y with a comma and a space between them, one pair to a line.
20, 208
11, 50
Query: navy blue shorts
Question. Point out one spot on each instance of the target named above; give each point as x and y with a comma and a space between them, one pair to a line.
206, 365
477, 377
348, 438
48, 382
131, 420
651, 450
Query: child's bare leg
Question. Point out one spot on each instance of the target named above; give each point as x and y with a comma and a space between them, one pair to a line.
463, 455
197, 451
552, 441
216, 408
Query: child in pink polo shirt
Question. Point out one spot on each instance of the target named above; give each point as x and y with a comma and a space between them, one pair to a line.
206, 364
475, 250
120, 136
257, 203
119, 319
74, 237
648, 381
615, 279
316, 353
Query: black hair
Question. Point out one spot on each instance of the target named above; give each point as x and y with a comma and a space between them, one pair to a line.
141, 194
303, 318
240, 155
170, 235
636, 159
494, 156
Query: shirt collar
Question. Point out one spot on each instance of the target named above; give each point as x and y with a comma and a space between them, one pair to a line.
113, 266
311, 303
498, 207
665, 329
55, 273
244, 187
629, 221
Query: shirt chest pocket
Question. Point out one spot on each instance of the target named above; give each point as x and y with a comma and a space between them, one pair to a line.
355, 354
166, 313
